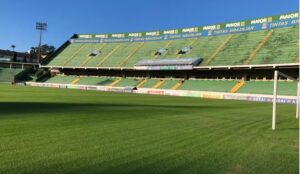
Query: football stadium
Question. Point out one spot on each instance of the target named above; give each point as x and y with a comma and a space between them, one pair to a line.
220, 98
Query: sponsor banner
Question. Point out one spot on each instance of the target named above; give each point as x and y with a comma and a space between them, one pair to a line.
101, 88
200, 94
284, 20
101, 36
173, 93
134, 35
189, 30
270, 99
157, 92
128, 89
53, 85
115, 89
235, 97
85, 41
287, 100
33, 84
141, 91
212, 95
72, 86
63, 86
81, 87
193, 94
222, 31
287, 16
94, 88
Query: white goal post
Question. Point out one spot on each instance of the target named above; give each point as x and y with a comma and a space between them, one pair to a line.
276, 75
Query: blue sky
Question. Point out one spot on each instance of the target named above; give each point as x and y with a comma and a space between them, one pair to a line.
65, 17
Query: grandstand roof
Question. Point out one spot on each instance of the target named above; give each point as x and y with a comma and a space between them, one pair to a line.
169, 62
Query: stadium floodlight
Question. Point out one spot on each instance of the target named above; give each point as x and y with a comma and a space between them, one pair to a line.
161, 51
13, 47
40, 26
95, 53
276, 75
185, 49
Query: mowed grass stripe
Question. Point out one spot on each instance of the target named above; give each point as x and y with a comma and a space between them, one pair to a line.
59, 130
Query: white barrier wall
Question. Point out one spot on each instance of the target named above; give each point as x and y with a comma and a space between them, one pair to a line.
185, 93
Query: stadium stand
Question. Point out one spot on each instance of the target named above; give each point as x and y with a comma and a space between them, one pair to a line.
141, 83
150, 83
257, 47
168, 84
101, 81
266, 87
120, 55
9, 74
75, 81
177, 85
115, 82
282, 47
250, 87
237, 86
179, 60
128, 82
159, 84
208, 85
61, 79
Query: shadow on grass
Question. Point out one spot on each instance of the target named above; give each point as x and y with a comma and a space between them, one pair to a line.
292, 128
7, 108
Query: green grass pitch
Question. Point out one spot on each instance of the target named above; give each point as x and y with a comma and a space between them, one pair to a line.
46, 130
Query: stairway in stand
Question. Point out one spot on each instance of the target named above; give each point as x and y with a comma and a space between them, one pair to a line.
157, 85
258, 47
237, 86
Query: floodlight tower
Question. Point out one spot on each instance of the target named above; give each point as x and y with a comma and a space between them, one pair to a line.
40, 26
13, 47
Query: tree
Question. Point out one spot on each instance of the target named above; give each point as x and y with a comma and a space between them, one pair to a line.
45, 51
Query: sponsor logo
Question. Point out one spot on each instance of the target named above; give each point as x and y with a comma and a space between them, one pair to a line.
289, 16
135, 34
236, 24
222, 31
154, 33
234, 97
85, 36
170, 32
259, 21
81, 87
295, 22
115, 89
118, 35
101, 36
270, 19
279, 24
91, 88
158, 92
190, 30
212, 27
212, 95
